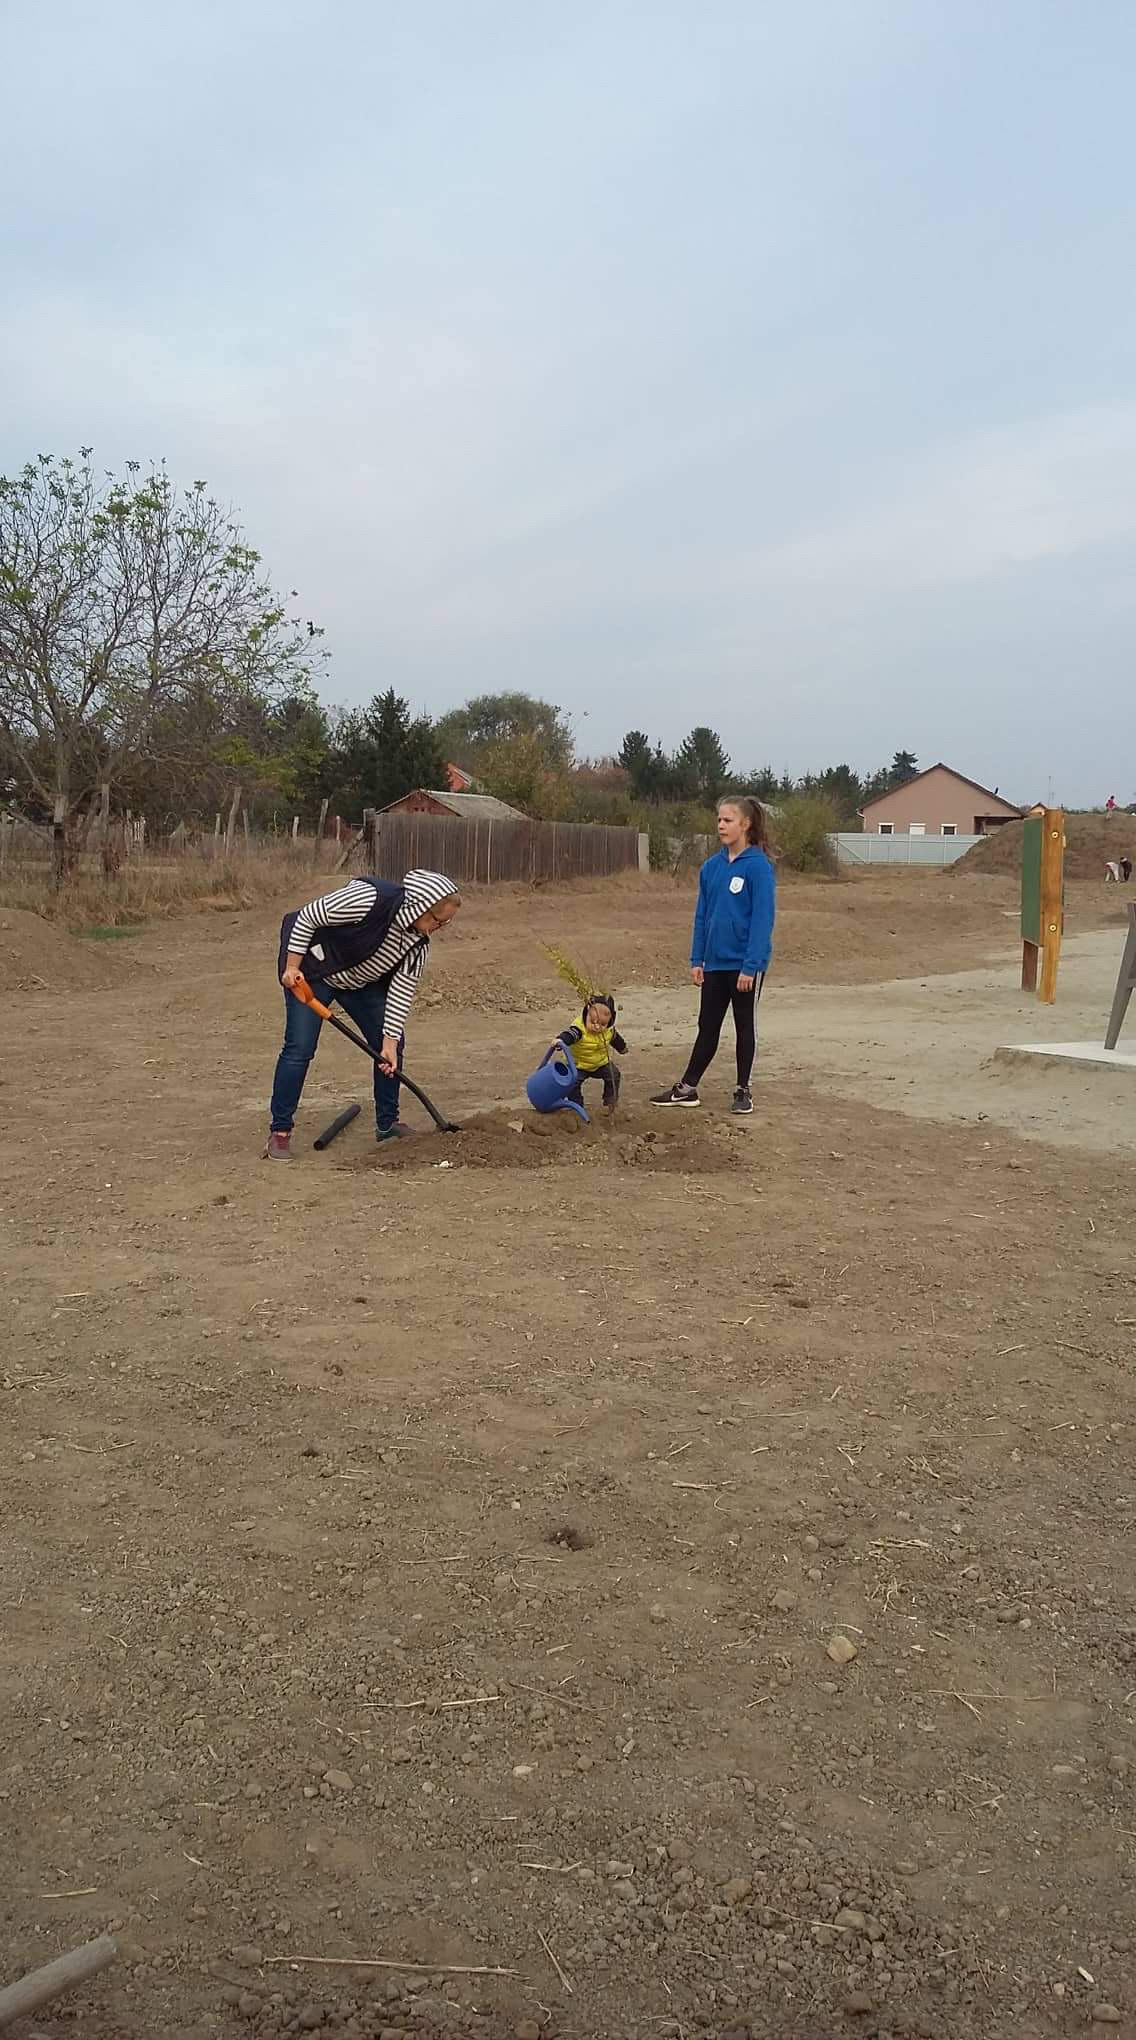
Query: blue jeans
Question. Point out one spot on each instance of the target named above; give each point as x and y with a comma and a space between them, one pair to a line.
367, 1007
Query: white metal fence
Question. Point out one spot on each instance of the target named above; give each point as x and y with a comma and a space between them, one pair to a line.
929, 851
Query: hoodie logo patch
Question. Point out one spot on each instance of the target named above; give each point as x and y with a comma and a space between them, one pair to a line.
737, 885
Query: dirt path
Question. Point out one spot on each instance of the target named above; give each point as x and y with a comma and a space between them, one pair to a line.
440, 1564
930, 1046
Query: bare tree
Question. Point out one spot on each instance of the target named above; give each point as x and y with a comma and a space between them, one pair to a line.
117, 598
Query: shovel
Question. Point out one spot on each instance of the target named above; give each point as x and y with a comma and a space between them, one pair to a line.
303, 991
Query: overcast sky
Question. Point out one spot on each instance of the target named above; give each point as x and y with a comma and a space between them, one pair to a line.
765, 365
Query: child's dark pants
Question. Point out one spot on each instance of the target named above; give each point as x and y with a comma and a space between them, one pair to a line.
611, 1079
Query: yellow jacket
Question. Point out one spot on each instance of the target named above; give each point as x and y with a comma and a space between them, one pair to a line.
591, 1051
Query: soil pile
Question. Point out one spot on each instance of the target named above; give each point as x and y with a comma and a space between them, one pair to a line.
530, 1140
1090, 841
37, 957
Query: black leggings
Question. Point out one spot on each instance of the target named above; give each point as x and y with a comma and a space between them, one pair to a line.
719, 993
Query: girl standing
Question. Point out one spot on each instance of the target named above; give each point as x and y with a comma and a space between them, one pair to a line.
731, 945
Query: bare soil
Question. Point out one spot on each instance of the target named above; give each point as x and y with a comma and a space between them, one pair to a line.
433, 1554
37, 957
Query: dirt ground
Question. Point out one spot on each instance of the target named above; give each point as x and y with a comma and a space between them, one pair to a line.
671, 1578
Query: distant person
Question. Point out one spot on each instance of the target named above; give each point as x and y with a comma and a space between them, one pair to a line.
1112, 872
365, 948
1126, 867
1110, 804
731, 946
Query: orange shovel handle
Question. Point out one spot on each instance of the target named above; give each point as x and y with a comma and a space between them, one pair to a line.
303, 991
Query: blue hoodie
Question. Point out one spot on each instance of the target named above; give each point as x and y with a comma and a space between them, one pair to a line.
733, 921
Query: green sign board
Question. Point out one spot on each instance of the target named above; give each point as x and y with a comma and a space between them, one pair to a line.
1031, 880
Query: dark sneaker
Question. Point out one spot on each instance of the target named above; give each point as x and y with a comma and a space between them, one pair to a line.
396, 1132
279, 1148
679, 1094
743, 1103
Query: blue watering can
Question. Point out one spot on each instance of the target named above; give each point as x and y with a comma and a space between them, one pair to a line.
548, 1087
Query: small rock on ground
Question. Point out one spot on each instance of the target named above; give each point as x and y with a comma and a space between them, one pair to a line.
856, 2003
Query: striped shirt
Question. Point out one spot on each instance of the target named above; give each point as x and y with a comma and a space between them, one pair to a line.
402, 953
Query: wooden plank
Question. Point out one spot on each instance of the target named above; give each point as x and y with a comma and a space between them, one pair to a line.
1125, 984
1031, 880
1052, 901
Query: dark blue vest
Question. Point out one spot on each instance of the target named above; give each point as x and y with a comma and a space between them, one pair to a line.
353, 941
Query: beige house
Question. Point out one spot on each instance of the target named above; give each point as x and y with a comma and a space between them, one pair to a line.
938, 802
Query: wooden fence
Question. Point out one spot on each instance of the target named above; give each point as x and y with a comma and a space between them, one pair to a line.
486, 853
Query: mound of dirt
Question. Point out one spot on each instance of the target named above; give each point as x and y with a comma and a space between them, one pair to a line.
37, 957
530, 1140
1090, 841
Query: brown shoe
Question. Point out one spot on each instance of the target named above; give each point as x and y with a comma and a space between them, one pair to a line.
279, 1148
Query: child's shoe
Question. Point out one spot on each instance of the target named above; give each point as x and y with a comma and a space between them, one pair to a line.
279, 1148
743, 1103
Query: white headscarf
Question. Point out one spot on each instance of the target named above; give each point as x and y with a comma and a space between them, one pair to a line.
423, 890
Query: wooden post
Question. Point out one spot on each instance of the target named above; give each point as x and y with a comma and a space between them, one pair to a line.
1052, 901
59, 858
320, 826
348, 850
295, 827
1031, 899
245, 820
231, 824
38, 1989
1125, 984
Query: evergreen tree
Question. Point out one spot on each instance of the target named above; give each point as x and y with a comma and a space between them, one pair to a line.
635, 758
381, 753
702, 765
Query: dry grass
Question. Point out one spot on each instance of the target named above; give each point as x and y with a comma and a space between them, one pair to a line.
159, 884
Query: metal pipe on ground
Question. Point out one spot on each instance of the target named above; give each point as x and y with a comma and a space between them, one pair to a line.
41, 1986
333, 1131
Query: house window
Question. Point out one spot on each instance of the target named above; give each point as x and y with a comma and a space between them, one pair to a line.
950, 828
887, 828
917, 829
